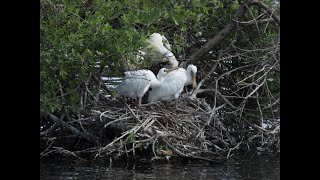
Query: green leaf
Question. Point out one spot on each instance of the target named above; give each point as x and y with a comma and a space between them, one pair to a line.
175, 20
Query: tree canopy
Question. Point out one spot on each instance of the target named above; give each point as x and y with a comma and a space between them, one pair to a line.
234, 43
78, 35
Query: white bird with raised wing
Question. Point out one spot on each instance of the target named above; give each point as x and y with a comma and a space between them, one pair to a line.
136, 84
157, 50
162, 49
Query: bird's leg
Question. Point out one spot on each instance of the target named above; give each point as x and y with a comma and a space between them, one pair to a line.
186, 89
151, 103
176, 103
139, 101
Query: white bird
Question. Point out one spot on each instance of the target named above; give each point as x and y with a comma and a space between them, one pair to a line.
157, 50
162, 72
166, 42
166, 86
172, 83
136, 84
161, 50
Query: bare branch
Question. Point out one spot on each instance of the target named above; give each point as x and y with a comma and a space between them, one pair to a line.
74, 130
220, 36
269, 11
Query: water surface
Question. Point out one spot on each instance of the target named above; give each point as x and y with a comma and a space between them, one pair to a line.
254, 168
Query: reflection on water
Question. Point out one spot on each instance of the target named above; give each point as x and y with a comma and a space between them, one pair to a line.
143, 169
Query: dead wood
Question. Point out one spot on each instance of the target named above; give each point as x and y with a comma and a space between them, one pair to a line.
74, 130
220, 36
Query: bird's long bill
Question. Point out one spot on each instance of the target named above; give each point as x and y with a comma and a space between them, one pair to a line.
194, 81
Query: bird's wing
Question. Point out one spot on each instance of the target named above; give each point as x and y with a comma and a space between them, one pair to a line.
166, 42
172, 85
155, 38
135, 84
138, 74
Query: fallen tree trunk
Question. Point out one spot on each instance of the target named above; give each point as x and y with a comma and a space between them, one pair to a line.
72, 129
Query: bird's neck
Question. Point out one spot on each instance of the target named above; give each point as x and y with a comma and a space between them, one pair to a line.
189, 77
168, 55
154, 81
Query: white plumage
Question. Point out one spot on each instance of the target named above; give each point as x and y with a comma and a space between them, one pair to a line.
161, 49
136, 84
192, 75
158, 50
166, 42
166, 86
172, 84
162, 72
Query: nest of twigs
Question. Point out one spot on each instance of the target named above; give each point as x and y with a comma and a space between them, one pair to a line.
193, 130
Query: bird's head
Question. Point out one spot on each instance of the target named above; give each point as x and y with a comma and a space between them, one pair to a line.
193, 70
162, 72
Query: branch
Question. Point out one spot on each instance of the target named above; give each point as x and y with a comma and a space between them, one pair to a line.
269, 11
95, 78
219, 95
251, 23
45, 132
175, 150
74, 130
195, 92
220, 36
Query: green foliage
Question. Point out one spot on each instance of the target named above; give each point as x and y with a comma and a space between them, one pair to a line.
131, 137
77, 35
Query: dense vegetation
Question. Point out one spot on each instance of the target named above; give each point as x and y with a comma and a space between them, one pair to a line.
234, 44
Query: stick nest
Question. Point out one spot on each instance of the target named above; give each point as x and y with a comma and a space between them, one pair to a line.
194, 130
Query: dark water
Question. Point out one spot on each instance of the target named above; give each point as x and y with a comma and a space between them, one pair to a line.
254, 168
